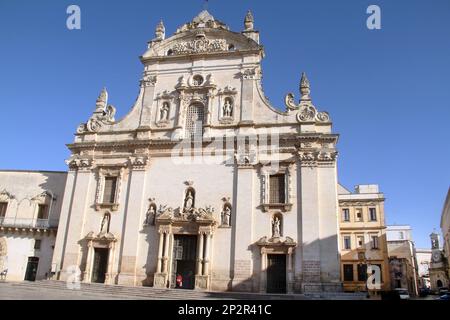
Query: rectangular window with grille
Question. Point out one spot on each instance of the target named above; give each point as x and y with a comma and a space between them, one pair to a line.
109, 192
42, 212
194, 122
3, 207
277, 188
348, 272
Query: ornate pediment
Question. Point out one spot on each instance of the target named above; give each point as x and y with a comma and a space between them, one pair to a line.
203, 20
169, 214
199, 45
276, 241
101, 237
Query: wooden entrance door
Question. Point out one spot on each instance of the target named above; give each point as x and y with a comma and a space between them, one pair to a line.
32, 267
100, 266
276, 273
183, 263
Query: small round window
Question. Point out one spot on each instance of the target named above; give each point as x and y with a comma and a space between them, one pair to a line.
197, 80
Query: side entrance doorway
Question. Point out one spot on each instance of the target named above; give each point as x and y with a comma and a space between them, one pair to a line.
32, 267
100, 266
183, 262
276, 273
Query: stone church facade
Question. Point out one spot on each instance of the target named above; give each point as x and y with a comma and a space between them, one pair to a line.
203, 184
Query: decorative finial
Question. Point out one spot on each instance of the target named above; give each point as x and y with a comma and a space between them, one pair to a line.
248, 21
304, 88
102, 100
160, 32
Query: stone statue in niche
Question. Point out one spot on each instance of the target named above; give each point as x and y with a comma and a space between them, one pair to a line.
189, 201
226, 216
276, 225
227, 108
151, 215
164, 112
104, 227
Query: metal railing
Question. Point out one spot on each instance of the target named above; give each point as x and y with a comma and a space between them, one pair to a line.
27, 223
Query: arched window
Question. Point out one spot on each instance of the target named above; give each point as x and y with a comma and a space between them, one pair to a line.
439, 284
194, 121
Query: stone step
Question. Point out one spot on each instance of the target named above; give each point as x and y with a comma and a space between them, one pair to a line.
150, 292
125, 292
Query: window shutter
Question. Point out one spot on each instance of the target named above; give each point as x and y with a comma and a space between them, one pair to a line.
277, 188
109, 194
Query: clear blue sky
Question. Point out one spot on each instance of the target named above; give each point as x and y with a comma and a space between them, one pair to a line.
388, 91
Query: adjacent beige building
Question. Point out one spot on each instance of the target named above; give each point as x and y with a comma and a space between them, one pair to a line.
362, 236
30, 207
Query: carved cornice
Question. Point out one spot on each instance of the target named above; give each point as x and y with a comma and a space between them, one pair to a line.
199, 45
359, 202
101, 237
276, 242
317, 157
149, 81
139, 162
167, 215
251, 74
80, 164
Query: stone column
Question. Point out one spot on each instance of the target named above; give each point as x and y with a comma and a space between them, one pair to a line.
263, 277
87, 270
309, 228
110, 263
207, 255
77, 204
249, 77
132, 221
64, 219
200, 254
243, 229
160, 252
146, 96
290, 276
329, 228
166, 253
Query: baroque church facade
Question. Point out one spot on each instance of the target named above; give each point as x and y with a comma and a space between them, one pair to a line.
203, 180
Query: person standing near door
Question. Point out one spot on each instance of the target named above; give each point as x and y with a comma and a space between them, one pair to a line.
179, 281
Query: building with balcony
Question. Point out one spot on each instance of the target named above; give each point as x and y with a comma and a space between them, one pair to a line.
362, 238
402, 258
30, 206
